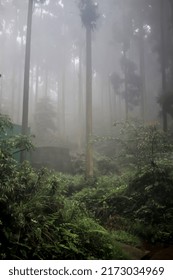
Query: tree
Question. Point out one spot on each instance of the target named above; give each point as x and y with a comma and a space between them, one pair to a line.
89, 15
45, 121
161, 34
133, 84
27, 72
163, 63
26, 75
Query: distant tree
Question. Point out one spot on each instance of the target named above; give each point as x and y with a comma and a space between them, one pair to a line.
45, 122
166, 59
132, 94
123, 33
140, 12
163, 63
161, 37
133, 83
134, 15
89, 16
166, 102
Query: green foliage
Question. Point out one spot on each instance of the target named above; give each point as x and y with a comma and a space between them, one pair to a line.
144, 145
39, 221
152, 194
139, 201
4, 123
48, 215
38, 225
97, 194
10, 145
78, 164
125, 237
106, 166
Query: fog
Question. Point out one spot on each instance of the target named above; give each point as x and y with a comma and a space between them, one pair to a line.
127, 53
86, 133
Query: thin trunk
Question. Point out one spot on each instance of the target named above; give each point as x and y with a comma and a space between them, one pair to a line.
31, 101
125, 61
36, 84
20, 82
1, 90
102, 100
13, 92
26, 75
163, 64
115, 105
110, 105
80, 101
125, 85
119, 101
63, 123
142, 69
20, 86
89, 146
46, 83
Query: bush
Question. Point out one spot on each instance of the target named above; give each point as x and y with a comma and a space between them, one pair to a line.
39, 221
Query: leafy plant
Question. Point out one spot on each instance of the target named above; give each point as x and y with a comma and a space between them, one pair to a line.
144, 145
39, 219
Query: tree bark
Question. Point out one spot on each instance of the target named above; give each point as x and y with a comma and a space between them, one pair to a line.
125, 85
125, 62
36, 84
89, 145
80, 101
142, 69
163, 63
27, 75
63, 123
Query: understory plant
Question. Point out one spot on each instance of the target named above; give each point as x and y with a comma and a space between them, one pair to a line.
39, 219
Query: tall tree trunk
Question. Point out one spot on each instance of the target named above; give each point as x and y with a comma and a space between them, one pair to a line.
163, 63
142, 68
125, 61
20, 81
36, 84
80, 101
14, 85
110, 106
63, 122
46, 87
13, 93
31, 99
89, 145
26, 75
1, 92
125, 84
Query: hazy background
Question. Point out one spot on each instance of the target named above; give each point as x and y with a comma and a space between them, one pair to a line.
126, 31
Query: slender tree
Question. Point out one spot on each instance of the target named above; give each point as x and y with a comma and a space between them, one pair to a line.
163, 63
80, 97
125, 48
89, 16
26, 75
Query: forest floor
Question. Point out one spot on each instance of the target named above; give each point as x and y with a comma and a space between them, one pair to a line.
148, 251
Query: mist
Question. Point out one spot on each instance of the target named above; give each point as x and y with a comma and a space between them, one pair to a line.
58, 61
86, 117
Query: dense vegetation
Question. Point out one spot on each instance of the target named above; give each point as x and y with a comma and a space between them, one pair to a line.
49, 215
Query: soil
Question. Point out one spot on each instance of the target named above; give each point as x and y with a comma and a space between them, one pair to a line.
158, 251
149, 251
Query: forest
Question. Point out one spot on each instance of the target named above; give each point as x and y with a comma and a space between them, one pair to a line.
86, 129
